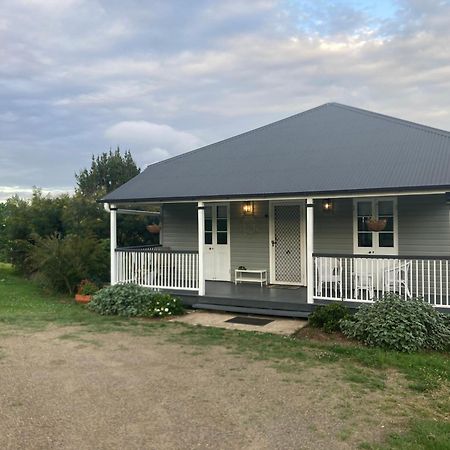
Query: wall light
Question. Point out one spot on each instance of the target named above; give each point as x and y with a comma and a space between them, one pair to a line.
248, 208
327, 205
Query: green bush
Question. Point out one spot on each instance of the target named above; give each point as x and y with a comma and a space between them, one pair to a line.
130, 300
328, 317
61, 262
164, 305
393, 323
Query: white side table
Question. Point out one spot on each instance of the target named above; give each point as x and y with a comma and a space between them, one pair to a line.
250, 276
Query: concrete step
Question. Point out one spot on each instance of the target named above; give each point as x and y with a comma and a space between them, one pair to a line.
248, 310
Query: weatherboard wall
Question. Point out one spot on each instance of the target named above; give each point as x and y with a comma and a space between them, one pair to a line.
423, 223
249, 237
333, 232
179, 226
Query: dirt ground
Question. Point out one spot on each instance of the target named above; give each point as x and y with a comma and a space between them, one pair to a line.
62, 390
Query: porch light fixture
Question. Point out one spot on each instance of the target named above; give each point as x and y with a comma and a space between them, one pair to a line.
327, 205
248, 208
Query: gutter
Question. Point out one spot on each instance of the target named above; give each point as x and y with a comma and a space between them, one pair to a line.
409, 190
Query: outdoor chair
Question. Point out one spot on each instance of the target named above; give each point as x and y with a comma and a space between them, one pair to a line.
379, 277
329, 274
396, 278
363, 281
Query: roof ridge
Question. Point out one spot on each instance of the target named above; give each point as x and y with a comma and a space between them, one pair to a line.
407, 123
207, 146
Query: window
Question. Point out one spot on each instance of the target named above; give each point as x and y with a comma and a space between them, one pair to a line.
364, 212
386, 212
208, 225
370, 214
216, 225
222, 224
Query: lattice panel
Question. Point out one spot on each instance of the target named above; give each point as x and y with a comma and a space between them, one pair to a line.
288, 244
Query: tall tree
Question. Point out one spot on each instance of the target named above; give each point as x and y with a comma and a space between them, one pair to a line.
107, 172
3, 236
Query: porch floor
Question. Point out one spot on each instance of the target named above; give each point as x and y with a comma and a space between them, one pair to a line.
251, 298
271, 293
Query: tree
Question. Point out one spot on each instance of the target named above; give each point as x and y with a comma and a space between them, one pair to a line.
22, 219
84, 216
3, 236
65, 238
108, 171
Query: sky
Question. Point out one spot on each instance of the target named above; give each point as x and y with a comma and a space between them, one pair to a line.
162, 77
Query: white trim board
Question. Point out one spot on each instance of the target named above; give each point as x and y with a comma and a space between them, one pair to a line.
293, 198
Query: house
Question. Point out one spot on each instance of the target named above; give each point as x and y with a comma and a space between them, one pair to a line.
335, 203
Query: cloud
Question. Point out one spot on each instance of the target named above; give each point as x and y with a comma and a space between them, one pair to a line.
26, 192
151, 142
80, 76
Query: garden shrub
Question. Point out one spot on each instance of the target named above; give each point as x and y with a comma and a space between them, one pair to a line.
328, 317
131, 300
60, 262
164, 305
394, 323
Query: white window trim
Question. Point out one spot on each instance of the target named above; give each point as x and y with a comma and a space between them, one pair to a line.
375, 249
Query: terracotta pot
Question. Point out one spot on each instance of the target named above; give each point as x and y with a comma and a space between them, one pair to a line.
153, 228
79, 298
376, 225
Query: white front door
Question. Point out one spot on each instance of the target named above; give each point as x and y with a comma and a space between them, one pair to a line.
217, 242
287, 243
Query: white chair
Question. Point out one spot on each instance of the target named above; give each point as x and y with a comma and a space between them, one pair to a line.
380, 276
329, 273
396, 278
363, 281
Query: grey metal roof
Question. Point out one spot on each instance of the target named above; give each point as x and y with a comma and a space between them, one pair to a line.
329, 149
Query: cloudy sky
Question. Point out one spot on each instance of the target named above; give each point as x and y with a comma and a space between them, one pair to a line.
161, 77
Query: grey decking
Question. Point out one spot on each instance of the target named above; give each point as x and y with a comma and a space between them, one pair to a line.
247, 291
250, 298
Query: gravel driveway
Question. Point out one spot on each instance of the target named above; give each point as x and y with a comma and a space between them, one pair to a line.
62, 390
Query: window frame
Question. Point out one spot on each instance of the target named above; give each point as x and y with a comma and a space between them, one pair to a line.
214, 222
375, 249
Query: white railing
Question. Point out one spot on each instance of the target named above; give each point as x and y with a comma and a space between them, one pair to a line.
157, 268
363, 279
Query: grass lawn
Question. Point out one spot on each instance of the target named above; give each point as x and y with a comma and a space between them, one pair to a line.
414, 387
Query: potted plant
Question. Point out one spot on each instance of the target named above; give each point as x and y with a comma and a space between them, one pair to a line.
376, 224
86, 290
